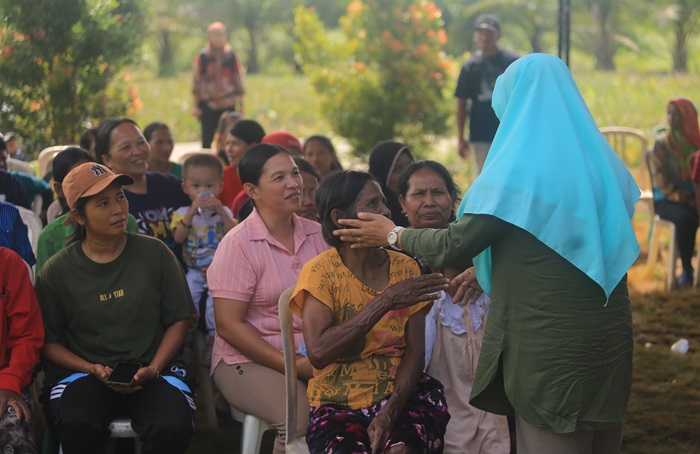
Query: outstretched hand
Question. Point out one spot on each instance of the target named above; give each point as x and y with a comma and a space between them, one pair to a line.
465, 288
368, 230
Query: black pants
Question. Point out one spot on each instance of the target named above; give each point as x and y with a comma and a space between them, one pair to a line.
160, 414
209, 120
685, 218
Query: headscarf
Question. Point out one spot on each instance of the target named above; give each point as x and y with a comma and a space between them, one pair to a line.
552, 173
685, 141
381, 163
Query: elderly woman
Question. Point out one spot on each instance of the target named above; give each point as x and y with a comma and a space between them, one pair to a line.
674, 191
552, 249
454, 333
387, 162
363, 313
255, 262
113, 296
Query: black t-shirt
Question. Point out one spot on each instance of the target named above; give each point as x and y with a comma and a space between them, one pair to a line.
476, 81
154, 209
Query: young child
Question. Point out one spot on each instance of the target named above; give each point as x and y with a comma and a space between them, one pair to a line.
201, 226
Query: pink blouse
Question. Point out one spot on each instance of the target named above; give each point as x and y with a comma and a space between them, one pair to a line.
251, 266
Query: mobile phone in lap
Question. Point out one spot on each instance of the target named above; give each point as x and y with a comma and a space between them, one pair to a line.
123, 373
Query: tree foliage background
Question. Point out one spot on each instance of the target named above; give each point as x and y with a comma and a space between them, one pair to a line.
59, 61
387, 78
64, 63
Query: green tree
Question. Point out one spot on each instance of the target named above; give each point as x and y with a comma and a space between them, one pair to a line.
59, 60
684, 17
387, 78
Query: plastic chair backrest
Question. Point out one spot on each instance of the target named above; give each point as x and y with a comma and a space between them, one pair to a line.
292, 444
46, 157
34, 226
20, 166
631, 146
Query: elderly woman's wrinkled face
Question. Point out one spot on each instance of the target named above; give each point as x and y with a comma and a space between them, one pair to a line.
675, 119
427, 202
371, 200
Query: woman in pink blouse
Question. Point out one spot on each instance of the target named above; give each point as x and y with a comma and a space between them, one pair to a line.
255, 262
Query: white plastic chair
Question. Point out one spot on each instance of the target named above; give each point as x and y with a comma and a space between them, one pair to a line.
46, 157
253, 430
20, 166
121, 428
53, 211
631, 146
34, 226
293, 445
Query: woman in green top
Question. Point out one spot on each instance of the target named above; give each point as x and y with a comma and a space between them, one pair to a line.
551, 245
113, 296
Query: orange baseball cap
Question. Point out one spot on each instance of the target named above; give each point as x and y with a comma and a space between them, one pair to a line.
89, 179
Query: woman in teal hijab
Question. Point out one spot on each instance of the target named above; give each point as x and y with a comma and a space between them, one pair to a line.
548, 226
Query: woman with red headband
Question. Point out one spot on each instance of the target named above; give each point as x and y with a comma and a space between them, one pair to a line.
674, 191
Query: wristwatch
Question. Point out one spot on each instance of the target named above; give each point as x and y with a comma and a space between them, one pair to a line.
393, 237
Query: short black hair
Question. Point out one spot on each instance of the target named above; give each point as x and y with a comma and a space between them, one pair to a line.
338, 191
253, 161
87, 137
104, 133
153, 127
202, 160
66, 159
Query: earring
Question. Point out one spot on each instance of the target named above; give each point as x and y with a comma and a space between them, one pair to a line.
404, 212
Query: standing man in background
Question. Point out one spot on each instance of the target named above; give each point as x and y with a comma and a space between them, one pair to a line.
218, 82
476, 81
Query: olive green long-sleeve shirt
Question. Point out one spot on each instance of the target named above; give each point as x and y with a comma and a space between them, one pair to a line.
553, 351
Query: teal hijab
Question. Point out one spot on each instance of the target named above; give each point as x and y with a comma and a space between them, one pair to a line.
552, 173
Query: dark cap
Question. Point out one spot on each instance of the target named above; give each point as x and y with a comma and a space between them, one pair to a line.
487, 22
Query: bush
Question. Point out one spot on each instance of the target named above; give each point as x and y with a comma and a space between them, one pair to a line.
386, 78
59, 61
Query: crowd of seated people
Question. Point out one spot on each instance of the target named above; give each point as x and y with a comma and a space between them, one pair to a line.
386, 349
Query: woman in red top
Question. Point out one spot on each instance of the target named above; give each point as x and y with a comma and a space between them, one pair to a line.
242, 135
21, 337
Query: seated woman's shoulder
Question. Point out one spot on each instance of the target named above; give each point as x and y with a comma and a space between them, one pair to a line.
164, 179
